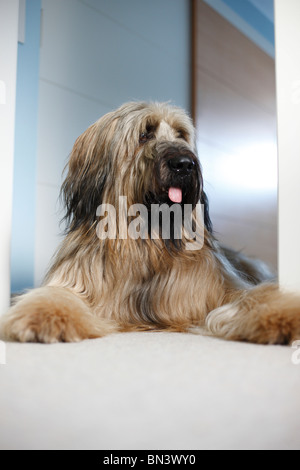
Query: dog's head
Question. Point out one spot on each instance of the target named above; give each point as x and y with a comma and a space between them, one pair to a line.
144, 151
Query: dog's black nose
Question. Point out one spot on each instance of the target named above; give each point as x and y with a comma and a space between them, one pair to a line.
181, 164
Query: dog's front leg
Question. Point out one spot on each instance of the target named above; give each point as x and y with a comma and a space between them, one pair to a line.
52, 314
263, 315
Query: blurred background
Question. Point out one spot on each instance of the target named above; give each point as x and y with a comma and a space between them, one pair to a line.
79, 59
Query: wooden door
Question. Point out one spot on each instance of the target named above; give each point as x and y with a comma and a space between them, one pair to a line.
235, 116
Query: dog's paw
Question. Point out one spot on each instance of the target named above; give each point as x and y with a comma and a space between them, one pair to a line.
264, 315
221, 321
50, 315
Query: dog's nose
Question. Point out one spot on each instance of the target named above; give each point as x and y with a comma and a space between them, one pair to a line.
181, 164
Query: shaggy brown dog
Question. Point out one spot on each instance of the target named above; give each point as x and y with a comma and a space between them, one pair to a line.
99, 284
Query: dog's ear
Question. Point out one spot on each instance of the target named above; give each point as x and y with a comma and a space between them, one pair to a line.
82, 190
207, 220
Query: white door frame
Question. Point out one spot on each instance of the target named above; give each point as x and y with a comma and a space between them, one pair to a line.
287, 35
9, 12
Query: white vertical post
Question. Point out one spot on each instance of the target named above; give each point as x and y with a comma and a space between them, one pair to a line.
9, 11
287, 39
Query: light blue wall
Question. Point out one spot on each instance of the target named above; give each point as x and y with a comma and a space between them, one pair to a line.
24, 197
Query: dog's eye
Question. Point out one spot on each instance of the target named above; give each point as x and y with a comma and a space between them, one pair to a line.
181, 135
147, 135
143, 137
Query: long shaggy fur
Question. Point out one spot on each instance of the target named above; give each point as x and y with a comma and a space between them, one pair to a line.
96, 287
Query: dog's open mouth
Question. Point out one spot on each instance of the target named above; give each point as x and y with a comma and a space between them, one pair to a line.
175, 195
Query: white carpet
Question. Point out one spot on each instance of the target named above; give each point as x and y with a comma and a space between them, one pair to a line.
149, 391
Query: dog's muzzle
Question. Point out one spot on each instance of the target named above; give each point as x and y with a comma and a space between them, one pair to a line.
177, 175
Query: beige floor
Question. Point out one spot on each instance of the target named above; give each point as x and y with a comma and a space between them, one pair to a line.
149, 391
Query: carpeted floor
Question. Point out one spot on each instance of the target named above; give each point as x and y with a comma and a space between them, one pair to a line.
149, 391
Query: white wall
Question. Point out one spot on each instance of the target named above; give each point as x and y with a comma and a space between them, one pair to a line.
287, 33
95, 55
9, 12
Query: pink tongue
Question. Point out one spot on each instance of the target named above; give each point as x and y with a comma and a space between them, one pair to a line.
175, 194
